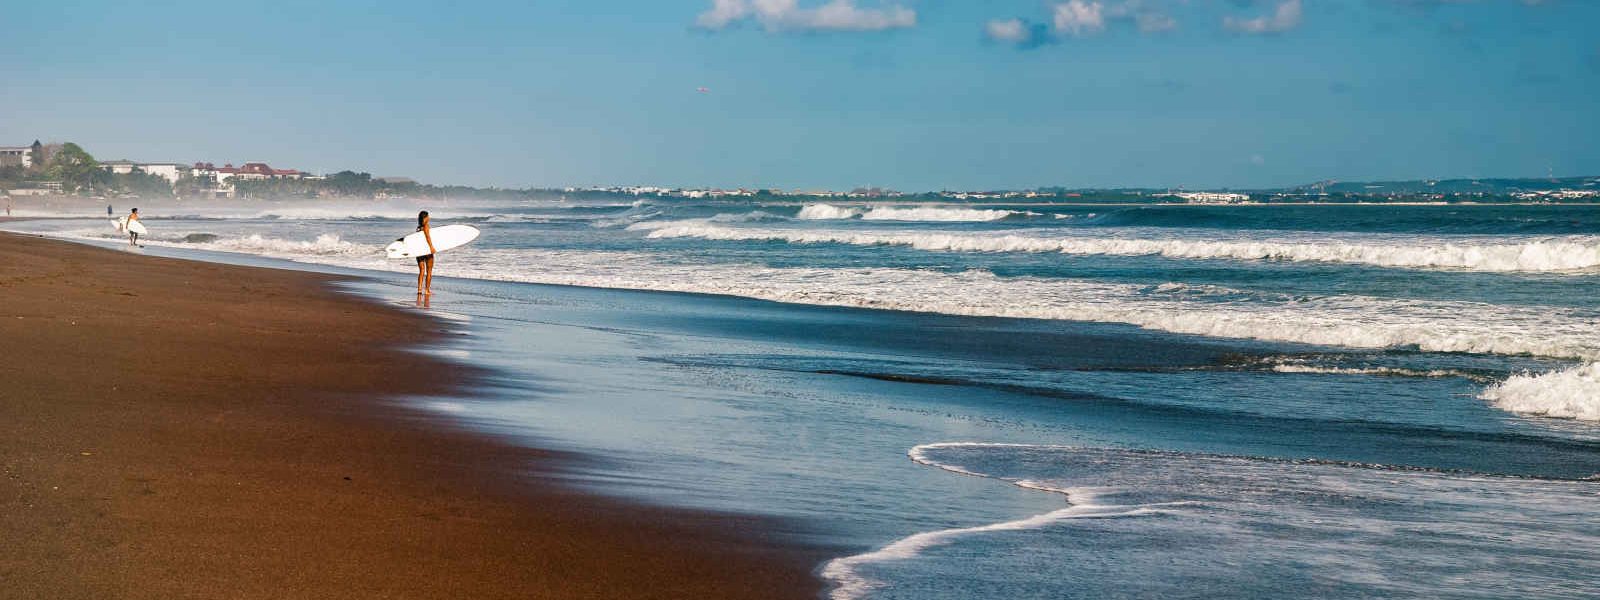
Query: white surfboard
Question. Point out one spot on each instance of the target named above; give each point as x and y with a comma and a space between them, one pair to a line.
124, 226
444, 238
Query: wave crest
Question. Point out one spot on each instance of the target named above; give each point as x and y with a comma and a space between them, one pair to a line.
828, 212
1535, 255
1568, 394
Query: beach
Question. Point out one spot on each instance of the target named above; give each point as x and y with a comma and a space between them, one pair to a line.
932, 402
179, 429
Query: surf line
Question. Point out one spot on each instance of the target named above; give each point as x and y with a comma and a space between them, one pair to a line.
850, 584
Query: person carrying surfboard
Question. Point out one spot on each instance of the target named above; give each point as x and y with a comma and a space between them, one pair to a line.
425, 262
133, 236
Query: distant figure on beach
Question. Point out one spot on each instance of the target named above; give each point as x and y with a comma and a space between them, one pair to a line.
425, 262
133, 236
109, 212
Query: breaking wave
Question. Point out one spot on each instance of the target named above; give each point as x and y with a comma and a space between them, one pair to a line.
1378, 371
1347, 321
1532, 255
325, 245
823, 212
1568, 394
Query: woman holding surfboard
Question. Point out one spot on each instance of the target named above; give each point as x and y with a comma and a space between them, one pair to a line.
426, 242
425, 262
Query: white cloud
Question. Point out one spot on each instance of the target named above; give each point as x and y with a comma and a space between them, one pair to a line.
1154, 22
723, 13
787, 15
1078, 18
1012, 31
1285, 17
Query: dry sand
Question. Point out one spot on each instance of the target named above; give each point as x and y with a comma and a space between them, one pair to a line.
175, 429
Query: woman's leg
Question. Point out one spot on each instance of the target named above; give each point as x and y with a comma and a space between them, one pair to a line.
428, 286
421, 269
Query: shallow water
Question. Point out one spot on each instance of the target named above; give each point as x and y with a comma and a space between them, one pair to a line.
1062, 401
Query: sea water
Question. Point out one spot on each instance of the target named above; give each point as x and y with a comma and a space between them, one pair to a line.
1037, 401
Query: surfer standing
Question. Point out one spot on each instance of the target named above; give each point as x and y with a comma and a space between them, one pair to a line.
425, 262
133, 236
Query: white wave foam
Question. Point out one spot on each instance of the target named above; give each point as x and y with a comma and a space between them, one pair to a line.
829, 212
1569, 394
745, 217
1476, 254
323, 245
815, 212
1314, 505
936, 214
849, 583
1380, 371
1348, 321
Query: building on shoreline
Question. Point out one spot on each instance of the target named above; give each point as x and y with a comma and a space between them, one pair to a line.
34, 156
1211, 197
171, 172
16, 156
218, 180
255, 170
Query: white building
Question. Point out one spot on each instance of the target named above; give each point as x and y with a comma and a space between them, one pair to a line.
1211, 197
168, 171
13, 156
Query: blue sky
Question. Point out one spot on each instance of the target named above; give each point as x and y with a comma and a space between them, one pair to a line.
910, 94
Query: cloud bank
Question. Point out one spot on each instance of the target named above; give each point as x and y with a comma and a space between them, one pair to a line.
788, 15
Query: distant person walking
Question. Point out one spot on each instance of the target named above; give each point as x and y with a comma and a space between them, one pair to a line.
109, 212
425, 262
133, 236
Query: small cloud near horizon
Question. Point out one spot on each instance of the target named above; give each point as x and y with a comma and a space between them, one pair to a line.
1285, 16
1078, 18
1082, 18
1022, 33
1013, 31
787, 15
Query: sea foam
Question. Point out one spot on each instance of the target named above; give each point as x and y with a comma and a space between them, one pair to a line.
1214, 311
850, 584
1475, 254
1340, 320
1569, 394
823, 212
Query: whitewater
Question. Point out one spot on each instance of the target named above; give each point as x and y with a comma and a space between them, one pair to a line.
1470, 253
1347, 320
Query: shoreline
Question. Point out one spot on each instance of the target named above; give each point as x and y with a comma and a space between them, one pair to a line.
177, 428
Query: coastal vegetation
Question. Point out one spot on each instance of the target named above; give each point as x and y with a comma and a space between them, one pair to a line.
69, 168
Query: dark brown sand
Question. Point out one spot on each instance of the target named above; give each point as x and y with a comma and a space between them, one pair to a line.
174, 429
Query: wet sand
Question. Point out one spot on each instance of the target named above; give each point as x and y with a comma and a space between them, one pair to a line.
176, 429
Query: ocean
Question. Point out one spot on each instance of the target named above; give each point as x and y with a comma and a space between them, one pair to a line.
1032, 400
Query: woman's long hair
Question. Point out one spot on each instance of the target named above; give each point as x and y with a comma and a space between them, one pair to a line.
421, 216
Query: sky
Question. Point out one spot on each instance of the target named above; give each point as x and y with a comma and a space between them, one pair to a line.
907, 94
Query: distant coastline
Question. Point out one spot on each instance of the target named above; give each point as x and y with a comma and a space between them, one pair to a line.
68, 169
